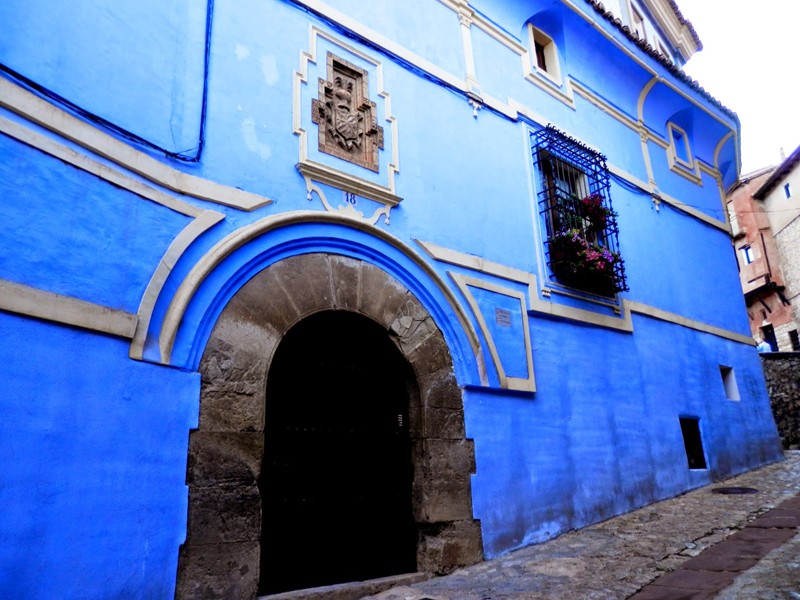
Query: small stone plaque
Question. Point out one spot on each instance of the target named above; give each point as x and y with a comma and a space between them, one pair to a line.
502, 317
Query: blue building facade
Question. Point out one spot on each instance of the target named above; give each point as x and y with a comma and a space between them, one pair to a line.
525, 198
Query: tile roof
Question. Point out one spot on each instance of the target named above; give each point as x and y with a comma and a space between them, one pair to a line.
748, 177
687, 23
655, 54
783, 169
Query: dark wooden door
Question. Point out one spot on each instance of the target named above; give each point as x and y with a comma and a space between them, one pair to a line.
336, 474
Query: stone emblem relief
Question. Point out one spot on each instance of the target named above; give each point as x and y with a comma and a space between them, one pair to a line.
347, 118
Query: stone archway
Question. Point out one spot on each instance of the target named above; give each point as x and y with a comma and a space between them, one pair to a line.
220, 558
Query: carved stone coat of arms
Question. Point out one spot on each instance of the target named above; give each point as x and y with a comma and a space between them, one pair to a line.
347, 118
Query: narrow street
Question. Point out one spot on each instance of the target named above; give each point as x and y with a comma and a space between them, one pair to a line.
626, 556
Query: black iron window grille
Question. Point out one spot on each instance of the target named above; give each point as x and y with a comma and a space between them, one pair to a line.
581, 243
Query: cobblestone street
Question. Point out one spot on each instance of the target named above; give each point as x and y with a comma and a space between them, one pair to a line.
615, 559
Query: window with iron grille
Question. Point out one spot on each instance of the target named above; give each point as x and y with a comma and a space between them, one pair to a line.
581, 243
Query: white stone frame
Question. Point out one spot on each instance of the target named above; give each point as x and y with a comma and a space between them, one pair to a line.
672, 128
41, 304
689, 170
316, 172
553, 73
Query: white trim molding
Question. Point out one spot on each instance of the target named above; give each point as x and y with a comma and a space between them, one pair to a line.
315, 172
521, 384
663, 315
42, 113
180, 301
202, 219
84, 163
66, 310
176, 249
537, 305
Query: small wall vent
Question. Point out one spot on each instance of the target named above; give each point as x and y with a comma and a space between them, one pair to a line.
729, 381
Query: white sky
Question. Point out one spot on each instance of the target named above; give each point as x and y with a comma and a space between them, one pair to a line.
749, 63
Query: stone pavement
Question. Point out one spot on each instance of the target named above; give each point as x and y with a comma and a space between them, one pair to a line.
624, 557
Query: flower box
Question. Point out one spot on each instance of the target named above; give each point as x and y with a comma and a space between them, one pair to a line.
590, 267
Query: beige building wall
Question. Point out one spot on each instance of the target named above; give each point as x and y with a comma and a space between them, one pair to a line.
788, 243
769, 303
784, 219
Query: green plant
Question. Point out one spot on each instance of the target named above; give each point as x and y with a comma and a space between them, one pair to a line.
594, 210
584, 265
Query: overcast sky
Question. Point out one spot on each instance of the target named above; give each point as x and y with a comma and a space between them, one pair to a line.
750, 63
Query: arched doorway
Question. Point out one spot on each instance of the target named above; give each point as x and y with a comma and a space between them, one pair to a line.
336, 474
229, 498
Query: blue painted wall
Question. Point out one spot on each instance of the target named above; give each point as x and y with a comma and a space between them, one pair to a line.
145, 58
95, 443
94, 453
70, 233
602, 435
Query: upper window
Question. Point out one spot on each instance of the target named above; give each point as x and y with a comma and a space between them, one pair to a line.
680, 146
749, 255
580, 225
544, 54
638, 22
679, 143
787, 190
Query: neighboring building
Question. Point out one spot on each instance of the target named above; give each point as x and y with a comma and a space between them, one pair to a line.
764, 211
296, 292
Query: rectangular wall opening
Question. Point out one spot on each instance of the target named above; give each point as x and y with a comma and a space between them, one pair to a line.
795, 340
729, 381
768, 335
690, 428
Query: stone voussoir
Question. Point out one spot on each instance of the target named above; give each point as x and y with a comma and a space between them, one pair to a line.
306, 279
440, 389
345, 282
381, 295
267, 301
219, 571
221, 457
450, 546
430, 356
241, 506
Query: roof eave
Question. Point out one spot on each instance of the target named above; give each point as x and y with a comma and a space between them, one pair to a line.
783, 169
674, 70
680, 31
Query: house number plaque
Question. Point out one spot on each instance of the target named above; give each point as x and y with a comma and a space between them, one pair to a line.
502, 317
